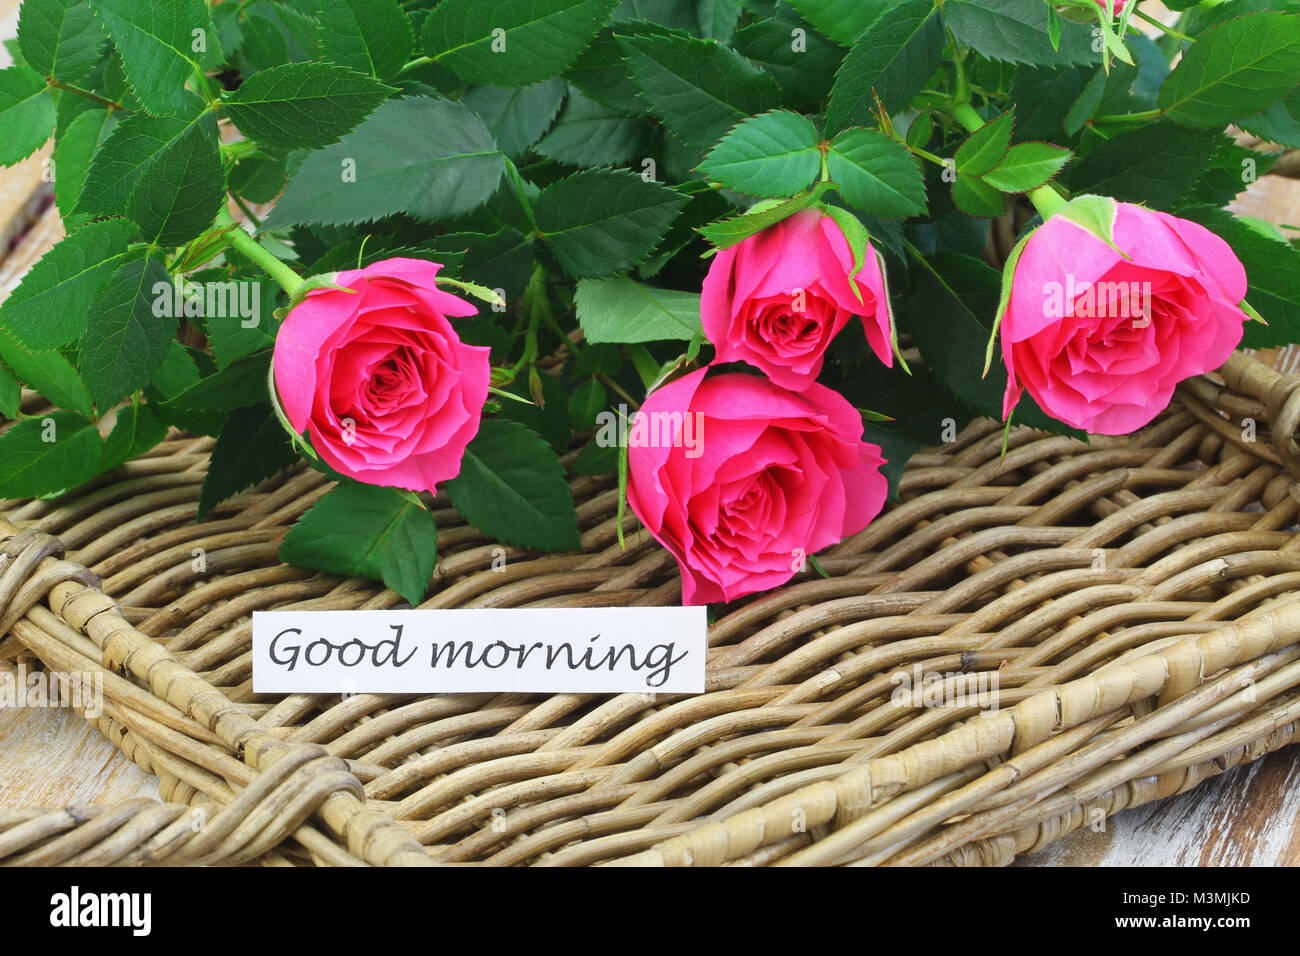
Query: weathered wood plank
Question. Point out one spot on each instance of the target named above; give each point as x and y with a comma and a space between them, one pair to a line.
1245, 817
50, 757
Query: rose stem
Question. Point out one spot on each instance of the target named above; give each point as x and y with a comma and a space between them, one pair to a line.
1164, 28
246, 245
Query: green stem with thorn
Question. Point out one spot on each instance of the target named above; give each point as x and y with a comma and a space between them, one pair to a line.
85, 94
1168, 30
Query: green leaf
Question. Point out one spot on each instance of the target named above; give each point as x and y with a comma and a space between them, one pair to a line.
952, 342
1028, 166
595, 459
125, 339
227, 18
896, 448
697, 88
602, 73
589, 134
598, 221
39, 456
11, 392
1154, 164
370, 36
603, 359
728, 232
1279, 123
1234, 70
512, 488
259, 178
517, 118
1103, 93
49, 307
180, 192
876, 175
1272, 269
1016, 31
717, 18
48, 372
391, 163
73, 153
893, 61
137, 429
842, 20
178, 372
588, 401
159, 44
804, 64
303, 105
298, 32
1042, 96
975, 197
367, 531
511, 42
26, 114
1228, 174
60, 38
550, 420
622, 310
240, 384
229, 337
772, 154
985, 148
124, 157
252, 447
263, 46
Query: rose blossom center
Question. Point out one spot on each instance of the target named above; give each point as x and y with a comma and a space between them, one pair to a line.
1130, 321
750, 510
782, 324
392, 379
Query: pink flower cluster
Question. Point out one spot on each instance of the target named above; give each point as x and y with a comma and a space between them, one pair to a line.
781, 471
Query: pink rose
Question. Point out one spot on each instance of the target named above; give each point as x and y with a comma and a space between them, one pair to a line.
1113, 7
777, 299
379, 378
1100, 340
741, 479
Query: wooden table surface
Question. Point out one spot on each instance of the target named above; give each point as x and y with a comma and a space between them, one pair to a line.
1245, 817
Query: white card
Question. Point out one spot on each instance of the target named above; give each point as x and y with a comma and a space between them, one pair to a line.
590, 650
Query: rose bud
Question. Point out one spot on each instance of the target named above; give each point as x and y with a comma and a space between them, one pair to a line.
777, 299
742, 479
378, 377
1110, 306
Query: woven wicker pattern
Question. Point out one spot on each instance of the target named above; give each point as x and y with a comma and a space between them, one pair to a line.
1136, 600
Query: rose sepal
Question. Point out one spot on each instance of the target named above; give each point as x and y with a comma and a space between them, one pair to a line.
481, 292
1096, 214
299, 442
325, 280
859, 240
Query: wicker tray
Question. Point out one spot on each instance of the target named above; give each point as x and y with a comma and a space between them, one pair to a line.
1136, 600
